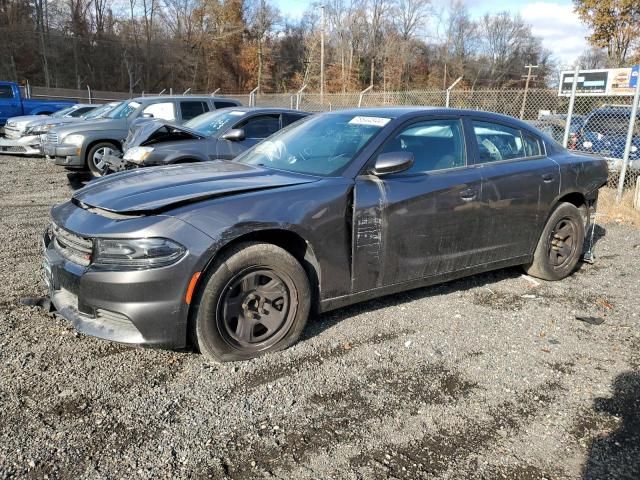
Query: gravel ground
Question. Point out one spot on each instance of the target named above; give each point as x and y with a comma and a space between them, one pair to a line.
487, 377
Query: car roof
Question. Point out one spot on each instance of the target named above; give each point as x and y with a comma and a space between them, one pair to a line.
182, 97
409, 112
263, 110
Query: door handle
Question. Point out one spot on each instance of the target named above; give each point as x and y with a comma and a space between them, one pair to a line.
468, 194
548, 177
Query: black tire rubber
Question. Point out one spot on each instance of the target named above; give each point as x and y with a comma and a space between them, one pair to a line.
541, 266
206, 328
95, 173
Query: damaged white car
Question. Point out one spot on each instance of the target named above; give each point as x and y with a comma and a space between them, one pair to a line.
23, 135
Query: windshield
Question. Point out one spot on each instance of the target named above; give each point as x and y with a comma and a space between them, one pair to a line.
123, 110
209, 124
63, 112
322, 145
98, 112
607, 123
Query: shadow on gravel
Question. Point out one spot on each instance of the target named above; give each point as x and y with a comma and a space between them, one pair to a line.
328, 320
78, 180
617, 455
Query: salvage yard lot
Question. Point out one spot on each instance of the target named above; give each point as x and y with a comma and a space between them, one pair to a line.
487, 377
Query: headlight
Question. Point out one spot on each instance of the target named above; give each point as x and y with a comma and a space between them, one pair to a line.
73, 139
137, 154
40, 129
137, 253
587, 144
634, 149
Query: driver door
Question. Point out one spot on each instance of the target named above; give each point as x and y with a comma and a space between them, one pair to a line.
256, 129
423, 221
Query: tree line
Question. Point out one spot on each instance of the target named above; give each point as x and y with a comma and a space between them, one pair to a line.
238, 45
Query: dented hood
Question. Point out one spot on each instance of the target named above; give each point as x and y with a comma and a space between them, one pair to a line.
147, 190
142, 133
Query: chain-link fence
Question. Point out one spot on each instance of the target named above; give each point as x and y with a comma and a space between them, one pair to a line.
602, 125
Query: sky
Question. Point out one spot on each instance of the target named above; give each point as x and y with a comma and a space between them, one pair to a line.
552, 20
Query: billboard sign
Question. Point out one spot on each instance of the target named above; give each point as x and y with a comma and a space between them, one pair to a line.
612, 81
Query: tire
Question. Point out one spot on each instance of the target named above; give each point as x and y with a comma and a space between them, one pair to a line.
97, 168
560, 245
252, 282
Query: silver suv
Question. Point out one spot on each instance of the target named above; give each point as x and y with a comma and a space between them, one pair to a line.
84, 146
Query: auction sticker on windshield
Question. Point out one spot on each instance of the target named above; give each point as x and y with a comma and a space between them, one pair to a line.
373, 121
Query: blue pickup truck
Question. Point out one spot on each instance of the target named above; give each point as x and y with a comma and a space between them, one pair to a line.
13, 105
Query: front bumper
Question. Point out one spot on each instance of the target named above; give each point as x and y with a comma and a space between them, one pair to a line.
64, 155
28, 145
145, 307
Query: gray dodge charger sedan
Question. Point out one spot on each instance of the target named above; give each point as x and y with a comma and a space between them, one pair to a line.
231, 256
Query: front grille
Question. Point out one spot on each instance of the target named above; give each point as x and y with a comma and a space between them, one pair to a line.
14, 149
73, 247
52, 138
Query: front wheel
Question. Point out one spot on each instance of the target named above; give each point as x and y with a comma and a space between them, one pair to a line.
96, 157
560, 244
255, 300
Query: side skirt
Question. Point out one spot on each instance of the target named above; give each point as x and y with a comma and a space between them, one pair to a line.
339, 302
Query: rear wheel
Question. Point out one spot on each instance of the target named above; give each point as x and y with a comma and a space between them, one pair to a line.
560, 244
256, 300
96, 157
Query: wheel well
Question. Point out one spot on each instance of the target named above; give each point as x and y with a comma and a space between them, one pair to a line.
95, 142
579, 201
285, 239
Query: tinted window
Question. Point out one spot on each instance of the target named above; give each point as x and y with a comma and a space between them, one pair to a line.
78, 112
260, 127
192, 109
532, 146
289, 118
165, 110
436, 145
497, 142
6, 91
223, 104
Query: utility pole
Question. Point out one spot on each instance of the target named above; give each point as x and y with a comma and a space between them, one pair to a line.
526, 89
322, 57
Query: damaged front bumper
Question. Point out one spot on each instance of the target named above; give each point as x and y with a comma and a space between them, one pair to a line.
27, 145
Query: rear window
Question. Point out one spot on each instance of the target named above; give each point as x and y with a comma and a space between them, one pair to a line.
191, 109
608, 123
6, 91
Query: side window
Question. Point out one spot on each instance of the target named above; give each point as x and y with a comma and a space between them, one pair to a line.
497, 142
435, 144
164, 111
192, 109
289, 118
532, 146
6, 91
223, 104
261, 126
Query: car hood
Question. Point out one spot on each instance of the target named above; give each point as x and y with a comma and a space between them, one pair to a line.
154, 189
143, 134
53, 121
24, 120
89, 125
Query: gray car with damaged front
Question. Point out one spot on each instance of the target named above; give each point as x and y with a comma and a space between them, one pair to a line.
232, 256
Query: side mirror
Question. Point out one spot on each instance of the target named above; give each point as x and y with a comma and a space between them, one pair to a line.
392, 162
234, 135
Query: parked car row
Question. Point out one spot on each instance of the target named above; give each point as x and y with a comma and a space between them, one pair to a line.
25, 135
335, 208
12, 104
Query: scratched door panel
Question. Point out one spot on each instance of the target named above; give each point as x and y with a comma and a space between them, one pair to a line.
416, 226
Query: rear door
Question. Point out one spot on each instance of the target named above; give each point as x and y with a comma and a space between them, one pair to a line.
256, 129
519, 184
10, 105
421, 222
